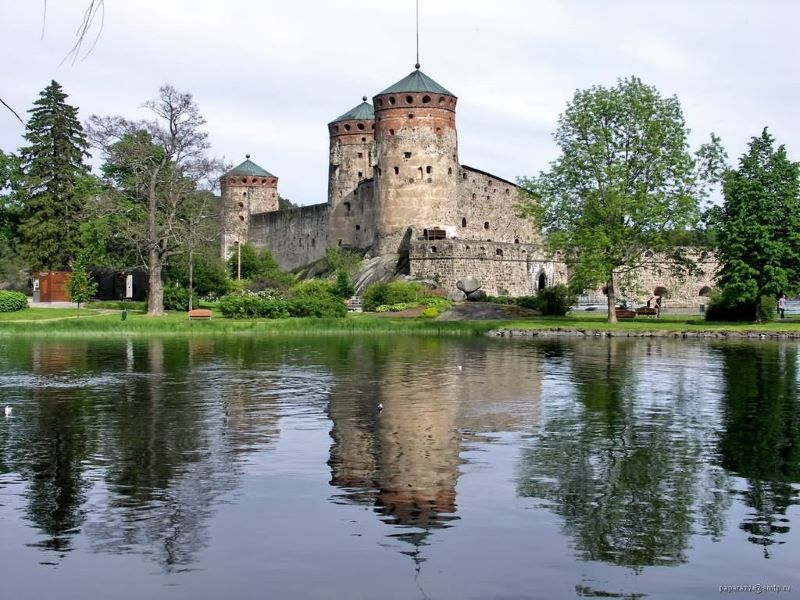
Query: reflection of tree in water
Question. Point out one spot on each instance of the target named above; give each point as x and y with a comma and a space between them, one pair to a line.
402, 460
168, 460
620, 469
761, 438
53, 444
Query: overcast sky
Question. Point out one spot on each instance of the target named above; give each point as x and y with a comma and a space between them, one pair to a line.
268, 76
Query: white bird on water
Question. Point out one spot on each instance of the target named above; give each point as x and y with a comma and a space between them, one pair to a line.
8, 411
460, 368
380, 406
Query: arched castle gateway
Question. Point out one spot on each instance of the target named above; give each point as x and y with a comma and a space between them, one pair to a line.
396, 186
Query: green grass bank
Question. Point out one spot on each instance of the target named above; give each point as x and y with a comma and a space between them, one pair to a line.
48, 322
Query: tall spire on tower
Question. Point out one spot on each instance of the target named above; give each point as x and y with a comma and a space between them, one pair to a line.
416, 66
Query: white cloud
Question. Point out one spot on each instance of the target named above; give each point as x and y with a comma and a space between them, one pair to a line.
268, 76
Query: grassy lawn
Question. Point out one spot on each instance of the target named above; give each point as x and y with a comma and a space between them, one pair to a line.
52, 321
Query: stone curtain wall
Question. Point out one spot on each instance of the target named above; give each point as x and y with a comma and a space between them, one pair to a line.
503, 269
487, 209
296, 236
682, 291
352, 221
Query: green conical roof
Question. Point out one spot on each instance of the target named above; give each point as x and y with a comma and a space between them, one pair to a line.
363, 111
416, 81
248, 167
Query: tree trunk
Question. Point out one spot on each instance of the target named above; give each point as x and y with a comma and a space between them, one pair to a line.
155, 296
190, 278
757, 316
612, 300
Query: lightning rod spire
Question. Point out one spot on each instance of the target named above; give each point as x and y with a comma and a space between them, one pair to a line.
416, 66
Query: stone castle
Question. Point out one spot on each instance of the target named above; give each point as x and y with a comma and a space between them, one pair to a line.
396, 187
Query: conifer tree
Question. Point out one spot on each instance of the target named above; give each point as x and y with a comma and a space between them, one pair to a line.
758, 227
52, 164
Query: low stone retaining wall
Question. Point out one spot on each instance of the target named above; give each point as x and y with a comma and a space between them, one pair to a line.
566, 332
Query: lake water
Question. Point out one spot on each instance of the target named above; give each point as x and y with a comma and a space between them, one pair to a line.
243, 468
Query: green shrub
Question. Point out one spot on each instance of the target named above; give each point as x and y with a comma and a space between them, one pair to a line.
435, 302
392, 293
531, 302
501, 300
430, 312
177, 298
721, 307
12, 301
317, 306
396, 307
251, 306
343, 288
554, 301
316, 298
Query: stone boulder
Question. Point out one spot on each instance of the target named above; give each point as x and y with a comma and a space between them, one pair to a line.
476, 296
457, 296
468, 284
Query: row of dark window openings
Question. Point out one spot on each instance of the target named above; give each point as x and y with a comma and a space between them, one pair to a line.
497, 252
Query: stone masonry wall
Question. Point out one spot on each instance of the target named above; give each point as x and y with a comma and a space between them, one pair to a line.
679, 291
296, 236
352, 221
502, 268
487, 210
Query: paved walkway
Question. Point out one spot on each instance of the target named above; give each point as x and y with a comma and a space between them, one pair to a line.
33, 304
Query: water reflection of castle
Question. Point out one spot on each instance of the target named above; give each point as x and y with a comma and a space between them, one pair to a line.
405, 459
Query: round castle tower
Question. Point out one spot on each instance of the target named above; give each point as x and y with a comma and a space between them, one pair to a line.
246, 190
416, 161
352, 152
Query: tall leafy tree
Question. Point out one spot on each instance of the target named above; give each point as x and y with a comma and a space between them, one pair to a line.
155, 168
52, 164
758, 226
624, 184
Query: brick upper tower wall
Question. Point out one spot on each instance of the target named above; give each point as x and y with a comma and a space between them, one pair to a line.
416, 167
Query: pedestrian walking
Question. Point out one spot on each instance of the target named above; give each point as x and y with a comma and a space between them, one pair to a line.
782, 305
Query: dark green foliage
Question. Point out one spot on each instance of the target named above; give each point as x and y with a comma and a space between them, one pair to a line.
725, 306
396, 292
555, 301
81, 286
12, 301
316, 298
177, 298
209, 274
343, 288
248, 306
758, 226
531, 302
337, 260
313, 298
257, 263
52, 164
501, 300
284, 203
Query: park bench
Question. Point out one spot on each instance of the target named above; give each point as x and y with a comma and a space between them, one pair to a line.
625, 313
647, 311
199, 313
